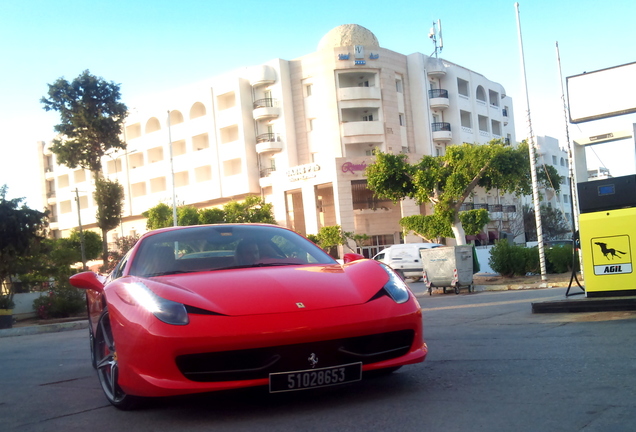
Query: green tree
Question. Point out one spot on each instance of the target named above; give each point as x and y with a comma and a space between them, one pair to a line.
109, 197
251, 210
211, 216
446, 181
159, 216
187, 215
91, 117
92, 245
553, 223
21, 231
122, 245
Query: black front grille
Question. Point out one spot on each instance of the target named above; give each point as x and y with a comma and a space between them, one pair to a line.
260, 362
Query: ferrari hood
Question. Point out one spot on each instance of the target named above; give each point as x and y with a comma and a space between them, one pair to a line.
266, 290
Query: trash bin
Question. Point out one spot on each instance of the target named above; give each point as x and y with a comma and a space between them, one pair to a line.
448, 267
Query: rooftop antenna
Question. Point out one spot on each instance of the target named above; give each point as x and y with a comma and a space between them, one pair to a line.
435, 34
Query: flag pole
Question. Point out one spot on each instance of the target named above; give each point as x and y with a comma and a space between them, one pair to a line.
533, 167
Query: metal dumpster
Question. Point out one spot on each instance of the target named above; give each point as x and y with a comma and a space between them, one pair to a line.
448, 267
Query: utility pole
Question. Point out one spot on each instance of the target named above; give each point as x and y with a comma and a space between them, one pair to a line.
79, 220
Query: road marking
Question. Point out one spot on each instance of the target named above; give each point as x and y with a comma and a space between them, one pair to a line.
491, 303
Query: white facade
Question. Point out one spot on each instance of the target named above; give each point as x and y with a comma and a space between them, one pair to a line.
550, 153
298, 133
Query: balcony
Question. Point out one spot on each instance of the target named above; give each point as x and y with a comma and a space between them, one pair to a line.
266, 177
266, 108
268, 142
357, 93
262, 75
441, 131
493, 208
438, 99
355, 128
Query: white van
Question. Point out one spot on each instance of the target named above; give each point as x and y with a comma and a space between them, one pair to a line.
405, 258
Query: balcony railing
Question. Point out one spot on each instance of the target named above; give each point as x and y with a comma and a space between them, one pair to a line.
438, 93
267, 137
266, 172
264, 103
441, 126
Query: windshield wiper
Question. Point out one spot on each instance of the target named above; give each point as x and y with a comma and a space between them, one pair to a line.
171, 272
269, 264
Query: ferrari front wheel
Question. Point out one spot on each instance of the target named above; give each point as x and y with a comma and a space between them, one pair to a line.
108, 367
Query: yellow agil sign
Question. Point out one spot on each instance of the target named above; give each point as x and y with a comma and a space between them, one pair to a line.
607, 252
611, 255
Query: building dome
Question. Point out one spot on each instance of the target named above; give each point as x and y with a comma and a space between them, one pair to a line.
348, 35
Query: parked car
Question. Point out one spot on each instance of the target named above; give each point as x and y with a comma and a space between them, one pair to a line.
216, 307
405, 258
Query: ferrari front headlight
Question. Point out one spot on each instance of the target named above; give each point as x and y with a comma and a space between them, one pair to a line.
395, 287
165, 310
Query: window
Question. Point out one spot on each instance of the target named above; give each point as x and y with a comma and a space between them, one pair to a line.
200, 142
481, 94
65, 207
308, 88
462, 87
562, 162
226, 101
62, 181
197, 110
496, 127
398, 85
232, 167
402, 120
367, 117
310, 124
363, 198
554, 160
483, 123
494, 98
466, 119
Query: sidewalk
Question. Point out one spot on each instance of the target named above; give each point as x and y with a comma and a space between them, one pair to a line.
34, 326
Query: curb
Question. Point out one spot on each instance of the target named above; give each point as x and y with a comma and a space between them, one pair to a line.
482, 288
45, 328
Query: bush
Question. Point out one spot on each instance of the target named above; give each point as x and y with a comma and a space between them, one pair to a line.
511, 260
508, 260
559, 259
60, 302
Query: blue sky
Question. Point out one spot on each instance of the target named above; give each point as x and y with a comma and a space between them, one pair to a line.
158, 45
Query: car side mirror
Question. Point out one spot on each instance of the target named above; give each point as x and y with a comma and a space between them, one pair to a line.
87, 280
350, 257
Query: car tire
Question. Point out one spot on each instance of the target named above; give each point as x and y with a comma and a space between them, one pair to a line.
91, 341
108, 367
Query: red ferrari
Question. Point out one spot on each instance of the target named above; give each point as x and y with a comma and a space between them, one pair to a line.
216, 307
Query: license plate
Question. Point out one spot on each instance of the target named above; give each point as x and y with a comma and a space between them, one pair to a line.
314, 378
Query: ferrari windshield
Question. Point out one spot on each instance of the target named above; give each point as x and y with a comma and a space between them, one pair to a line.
218, 247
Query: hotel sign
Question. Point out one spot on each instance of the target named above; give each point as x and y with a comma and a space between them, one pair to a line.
359, 58
352, 168
302, 172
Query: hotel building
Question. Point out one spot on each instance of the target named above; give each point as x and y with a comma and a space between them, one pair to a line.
298, 133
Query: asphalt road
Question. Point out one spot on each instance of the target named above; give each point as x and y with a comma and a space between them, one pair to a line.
492, 366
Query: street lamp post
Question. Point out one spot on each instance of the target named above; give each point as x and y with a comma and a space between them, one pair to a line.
79, 220
174, 194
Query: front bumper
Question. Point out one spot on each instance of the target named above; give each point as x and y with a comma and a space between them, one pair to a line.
148, 350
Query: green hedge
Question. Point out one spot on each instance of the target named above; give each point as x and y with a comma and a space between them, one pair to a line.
512, 260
